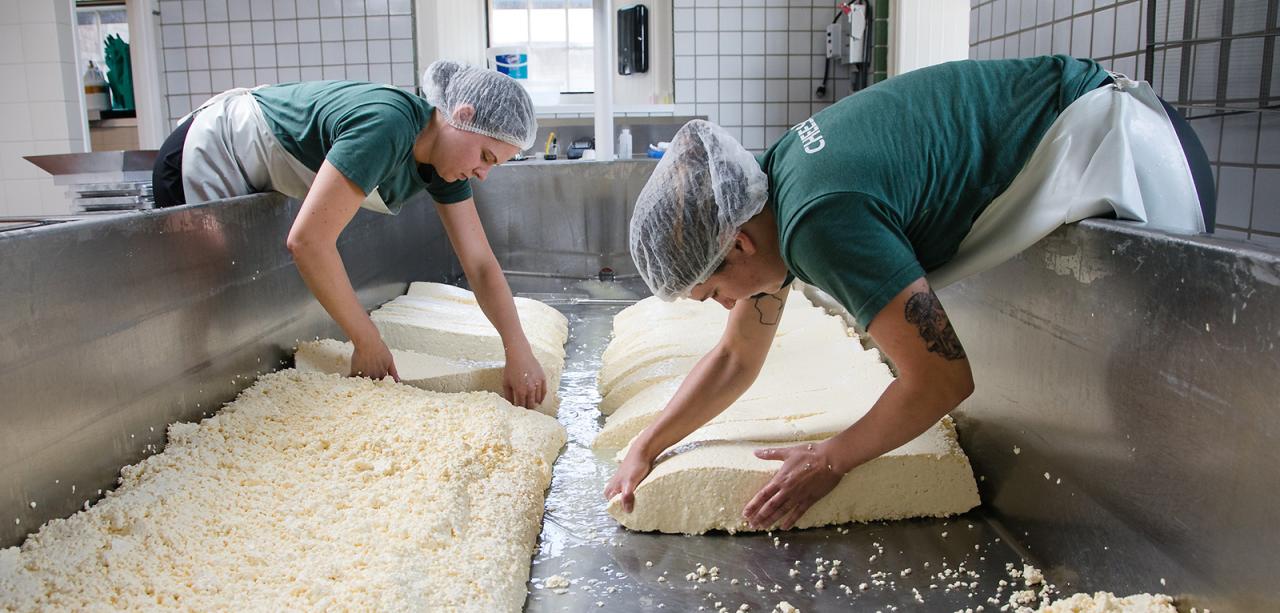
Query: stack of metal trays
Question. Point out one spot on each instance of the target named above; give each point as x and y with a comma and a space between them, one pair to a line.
102, 180
90, 197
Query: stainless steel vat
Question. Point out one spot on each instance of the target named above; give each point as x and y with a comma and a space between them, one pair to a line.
1139, 368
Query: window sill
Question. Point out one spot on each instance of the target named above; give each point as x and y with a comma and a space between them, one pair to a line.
617, 109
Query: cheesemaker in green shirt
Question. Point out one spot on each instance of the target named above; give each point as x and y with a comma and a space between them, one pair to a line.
365, 130
880, 188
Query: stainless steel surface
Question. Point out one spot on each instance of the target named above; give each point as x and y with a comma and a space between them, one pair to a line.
106, 165
1142, 370
620, 569
114, 327
562, 220
21, 222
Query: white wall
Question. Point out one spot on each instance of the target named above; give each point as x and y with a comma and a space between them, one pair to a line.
147, 64
754, 68
40, 102
450, 30
927, 32
652, 86
211, 46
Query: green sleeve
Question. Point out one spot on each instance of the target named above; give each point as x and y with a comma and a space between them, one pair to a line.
852, 246
369, 142
447, 192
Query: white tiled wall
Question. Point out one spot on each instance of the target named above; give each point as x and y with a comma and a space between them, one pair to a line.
39, 102
1243, 147
1109, 31
752, 65
214, 45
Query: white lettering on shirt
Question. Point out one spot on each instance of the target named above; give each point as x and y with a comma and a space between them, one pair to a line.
810, 135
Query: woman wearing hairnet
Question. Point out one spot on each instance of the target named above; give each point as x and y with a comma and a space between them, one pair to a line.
342, 145
879, 200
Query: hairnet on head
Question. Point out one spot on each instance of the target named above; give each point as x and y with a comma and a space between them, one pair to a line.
503, 109
701, 192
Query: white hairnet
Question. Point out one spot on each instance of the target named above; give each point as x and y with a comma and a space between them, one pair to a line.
703, 189
503, 109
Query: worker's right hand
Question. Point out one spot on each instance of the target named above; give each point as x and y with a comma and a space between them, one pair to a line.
634, 468
373, 361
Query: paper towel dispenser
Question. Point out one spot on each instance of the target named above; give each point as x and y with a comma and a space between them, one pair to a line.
633, 39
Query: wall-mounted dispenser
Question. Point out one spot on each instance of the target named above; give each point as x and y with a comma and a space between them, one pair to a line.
633, 39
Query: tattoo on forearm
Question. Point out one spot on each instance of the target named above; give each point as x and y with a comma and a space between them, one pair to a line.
768, 319
925, 311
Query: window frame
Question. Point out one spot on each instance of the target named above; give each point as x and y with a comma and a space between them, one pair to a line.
567, 46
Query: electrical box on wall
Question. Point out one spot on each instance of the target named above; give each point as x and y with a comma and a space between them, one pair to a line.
633, 39
846, 37
838, 40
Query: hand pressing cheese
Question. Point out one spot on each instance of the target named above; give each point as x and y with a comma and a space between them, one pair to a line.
815, 382
449, 323
423, 371
704, 482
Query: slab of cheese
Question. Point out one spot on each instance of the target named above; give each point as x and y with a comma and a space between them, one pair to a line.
423, 371
452, 329
703, 485
804, 360
528, 308
817, 381
695, 336
309, 491
850, 397
653, 310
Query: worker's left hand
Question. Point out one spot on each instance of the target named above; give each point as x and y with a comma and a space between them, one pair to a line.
523, 383
807, 474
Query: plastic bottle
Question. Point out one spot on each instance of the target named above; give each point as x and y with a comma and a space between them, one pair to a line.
624, 144
95, 90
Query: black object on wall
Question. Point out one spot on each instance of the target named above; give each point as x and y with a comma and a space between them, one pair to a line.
633, 39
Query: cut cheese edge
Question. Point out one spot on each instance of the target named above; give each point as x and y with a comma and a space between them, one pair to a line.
704, 486
423, 371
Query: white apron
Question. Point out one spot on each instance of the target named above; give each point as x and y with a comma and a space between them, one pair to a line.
1112, 150
230, 151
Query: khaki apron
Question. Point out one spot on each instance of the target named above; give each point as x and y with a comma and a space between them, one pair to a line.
230, 151
1112, 150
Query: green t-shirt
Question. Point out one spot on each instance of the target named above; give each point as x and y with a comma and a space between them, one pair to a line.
881, 187
365, 130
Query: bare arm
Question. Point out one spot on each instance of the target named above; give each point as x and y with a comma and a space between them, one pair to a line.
313, 240
525, 383
715, 382
933, 378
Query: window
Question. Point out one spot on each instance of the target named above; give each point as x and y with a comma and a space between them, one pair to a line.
558, 35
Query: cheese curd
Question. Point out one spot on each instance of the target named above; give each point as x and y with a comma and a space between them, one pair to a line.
309, 491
